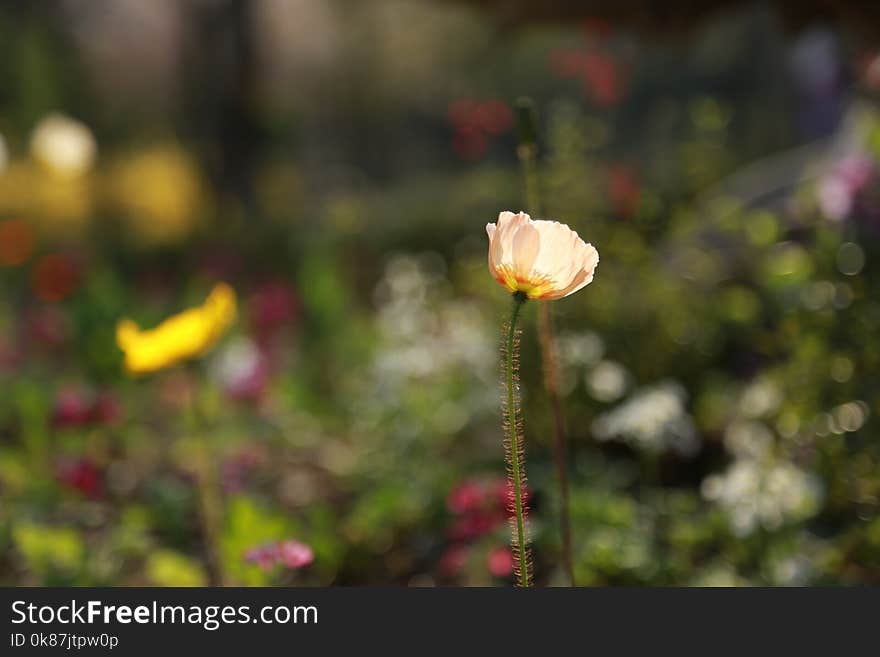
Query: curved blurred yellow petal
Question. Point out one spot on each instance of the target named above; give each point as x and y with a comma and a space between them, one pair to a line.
188, 334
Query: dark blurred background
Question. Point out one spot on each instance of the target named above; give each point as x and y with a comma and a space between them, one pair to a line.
336, 162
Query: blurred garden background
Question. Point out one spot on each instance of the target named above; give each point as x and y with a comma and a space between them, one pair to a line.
335, 162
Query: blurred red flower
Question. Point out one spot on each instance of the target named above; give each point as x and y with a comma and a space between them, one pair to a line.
474, 123
602, 78
54, 277
623, 189
16, 242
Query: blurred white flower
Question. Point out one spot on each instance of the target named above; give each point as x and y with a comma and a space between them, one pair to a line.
607, 381
584, 348
429, 344
759, 398
762, 493
653, 418
748, 439
240, 368
63, 145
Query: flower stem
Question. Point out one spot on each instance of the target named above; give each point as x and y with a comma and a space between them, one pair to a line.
527, 152
548, 354
208, 491
515, 449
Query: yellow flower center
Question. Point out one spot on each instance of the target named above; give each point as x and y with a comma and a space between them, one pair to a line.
534, 286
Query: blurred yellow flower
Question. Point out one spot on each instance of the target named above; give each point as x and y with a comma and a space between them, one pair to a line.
158, 192
541, 259
60, 206
188, 334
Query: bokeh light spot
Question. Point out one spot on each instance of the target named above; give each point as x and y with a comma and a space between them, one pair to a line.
850, 258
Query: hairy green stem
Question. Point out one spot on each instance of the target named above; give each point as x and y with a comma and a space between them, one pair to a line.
527, 153
515, 448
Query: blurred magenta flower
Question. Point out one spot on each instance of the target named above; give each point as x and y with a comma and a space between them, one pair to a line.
272, 306
82, 475
264, 556
72, 409
75, 408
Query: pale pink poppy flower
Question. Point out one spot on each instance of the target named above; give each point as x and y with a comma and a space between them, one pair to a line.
540, 259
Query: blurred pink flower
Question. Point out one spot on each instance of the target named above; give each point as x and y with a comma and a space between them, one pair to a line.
289, 553
474, 525
469, 495
838, 189
500, 562
453, 560
294, 554
264, 556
